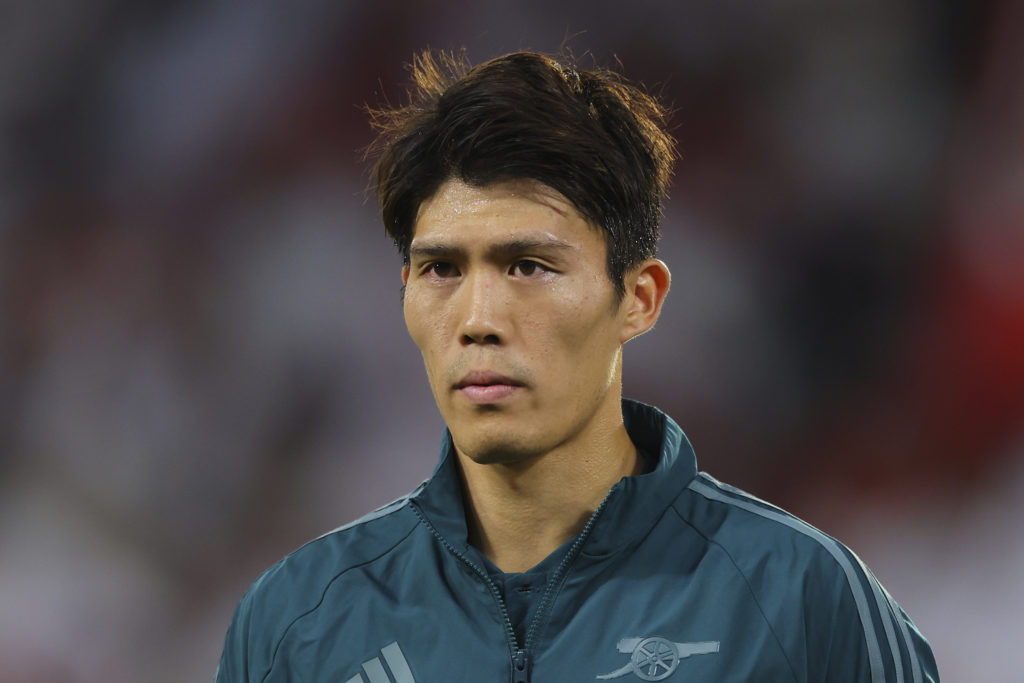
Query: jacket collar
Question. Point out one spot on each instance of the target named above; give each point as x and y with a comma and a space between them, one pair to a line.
631, 508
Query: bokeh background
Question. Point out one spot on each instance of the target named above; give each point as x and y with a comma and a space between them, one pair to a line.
202, 357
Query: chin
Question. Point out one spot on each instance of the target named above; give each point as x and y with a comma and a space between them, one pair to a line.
496, 450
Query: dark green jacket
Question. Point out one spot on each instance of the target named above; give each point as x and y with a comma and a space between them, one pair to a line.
676, 577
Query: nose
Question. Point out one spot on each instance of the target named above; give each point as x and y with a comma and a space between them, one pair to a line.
482, 310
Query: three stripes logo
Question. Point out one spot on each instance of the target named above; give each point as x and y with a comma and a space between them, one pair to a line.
375, 672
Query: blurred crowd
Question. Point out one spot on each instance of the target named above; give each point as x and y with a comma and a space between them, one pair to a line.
202, 356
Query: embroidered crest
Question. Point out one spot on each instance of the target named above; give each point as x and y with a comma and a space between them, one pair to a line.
656, 658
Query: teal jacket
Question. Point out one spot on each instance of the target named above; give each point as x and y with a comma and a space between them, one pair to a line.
676, 577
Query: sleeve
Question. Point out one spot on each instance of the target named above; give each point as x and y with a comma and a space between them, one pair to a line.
866, 637
234, 659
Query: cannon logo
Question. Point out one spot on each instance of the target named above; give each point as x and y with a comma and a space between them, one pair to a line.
655, 659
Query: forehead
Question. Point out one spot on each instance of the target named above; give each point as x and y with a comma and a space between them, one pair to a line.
459, 211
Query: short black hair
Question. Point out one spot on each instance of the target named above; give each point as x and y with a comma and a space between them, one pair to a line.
597, 139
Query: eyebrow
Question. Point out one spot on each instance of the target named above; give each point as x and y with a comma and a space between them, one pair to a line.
501, 249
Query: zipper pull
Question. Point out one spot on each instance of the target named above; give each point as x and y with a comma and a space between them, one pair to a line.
520, 668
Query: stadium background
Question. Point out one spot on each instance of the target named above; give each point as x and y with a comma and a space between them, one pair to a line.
202, 356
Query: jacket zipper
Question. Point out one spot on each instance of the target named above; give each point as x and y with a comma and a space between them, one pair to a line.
520, 660
521, 667
521, 655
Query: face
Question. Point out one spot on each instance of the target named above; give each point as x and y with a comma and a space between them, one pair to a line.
507, 297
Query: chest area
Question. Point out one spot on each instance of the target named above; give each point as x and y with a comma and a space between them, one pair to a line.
623, 621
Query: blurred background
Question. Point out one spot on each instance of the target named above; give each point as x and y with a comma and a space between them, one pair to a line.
202, 356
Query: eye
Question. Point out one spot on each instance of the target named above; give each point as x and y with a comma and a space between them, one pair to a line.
441, 269
527, 268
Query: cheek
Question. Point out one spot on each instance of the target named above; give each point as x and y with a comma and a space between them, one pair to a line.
421, 331
411, 320
581, 330
427, 322
420, 325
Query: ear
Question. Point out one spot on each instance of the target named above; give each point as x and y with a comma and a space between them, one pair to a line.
646, 286
405, 275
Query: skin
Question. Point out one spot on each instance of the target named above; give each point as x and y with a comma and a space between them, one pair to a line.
508, 299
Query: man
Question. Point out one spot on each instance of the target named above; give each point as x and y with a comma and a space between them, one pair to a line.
565, 535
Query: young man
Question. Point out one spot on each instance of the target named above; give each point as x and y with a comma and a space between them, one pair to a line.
566, 535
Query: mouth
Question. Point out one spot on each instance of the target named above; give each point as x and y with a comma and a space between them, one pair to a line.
482, 387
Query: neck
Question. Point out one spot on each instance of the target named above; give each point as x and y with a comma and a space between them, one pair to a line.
519, 513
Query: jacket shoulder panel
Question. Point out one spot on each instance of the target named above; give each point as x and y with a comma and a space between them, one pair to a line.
295, 586
822, 599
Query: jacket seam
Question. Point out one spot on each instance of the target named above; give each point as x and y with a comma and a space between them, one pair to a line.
323, 594
844, 558
750, 589
630, 542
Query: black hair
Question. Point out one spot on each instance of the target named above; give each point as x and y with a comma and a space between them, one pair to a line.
595, 138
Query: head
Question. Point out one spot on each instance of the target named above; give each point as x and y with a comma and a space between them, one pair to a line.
595, 138
524, 196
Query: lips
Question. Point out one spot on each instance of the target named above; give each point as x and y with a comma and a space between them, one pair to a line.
483, 386
485, 378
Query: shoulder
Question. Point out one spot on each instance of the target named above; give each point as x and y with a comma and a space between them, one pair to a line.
310, 568
824, 602
754, 531
296, 585
786, 562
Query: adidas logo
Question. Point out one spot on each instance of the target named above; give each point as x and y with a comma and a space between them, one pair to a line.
375, 672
